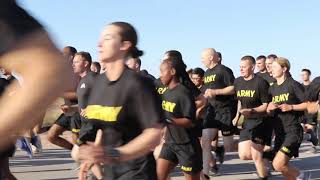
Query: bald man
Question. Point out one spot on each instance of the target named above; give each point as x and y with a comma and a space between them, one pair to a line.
219, 91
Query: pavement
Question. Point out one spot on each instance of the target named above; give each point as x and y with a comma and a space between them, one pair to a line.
55, 163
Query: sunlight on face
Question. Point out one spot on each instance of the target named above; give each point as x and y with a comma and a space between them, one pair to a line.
109, 43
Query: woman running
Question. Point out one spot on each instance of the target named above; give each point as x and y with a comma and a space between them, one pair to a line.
288, 106
125, 107
181, 145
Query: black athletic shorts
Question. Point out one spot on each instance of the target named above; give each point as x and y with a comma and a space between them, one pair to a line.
87, 132
289, 141
64, 121
138, 169
219, 118
189, 156
15, 24
268, 130
234, 108
71, 123
75, 123
198, 127
253, 129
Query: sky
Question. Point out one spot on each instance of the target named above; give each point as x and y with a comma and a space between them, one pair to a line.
287, 28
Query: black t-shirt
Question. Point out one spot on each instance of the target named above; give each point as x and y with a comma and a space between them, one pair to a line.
84, 88
219, 77
289, 92
161, 89
252, 93
123, 108
306, 114
305, 87
266, 76
15, 24
75, 100
202, 89
313, 91
147, 75
179, 103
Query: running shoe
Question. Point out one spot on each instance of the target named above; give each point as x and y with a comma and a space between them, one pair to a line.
36, 141
24, 145
214, 171
313, 138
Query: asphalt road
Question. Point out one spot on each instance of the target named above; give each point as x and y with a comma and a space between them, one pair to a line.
56, 164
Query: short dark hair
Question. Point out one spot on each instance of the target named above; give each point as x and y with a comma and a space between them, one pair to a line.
189, 71
249, 58
273, 56
72, 50
306, 70
98, 66
86, 56
219, 55
198, 71
261, 57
